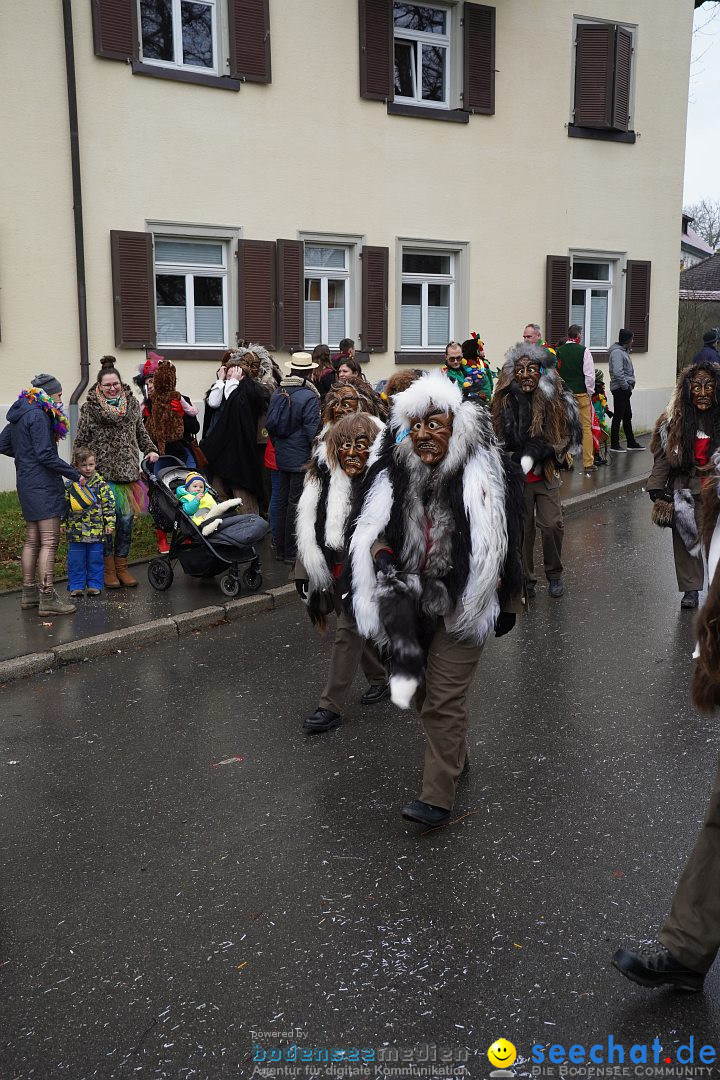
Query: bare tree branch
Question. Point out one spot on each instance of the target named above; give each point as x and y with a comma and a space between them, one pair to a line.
706, 220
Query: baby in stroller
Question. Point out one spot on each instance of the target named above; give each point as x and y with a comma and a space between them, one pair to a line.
199, 504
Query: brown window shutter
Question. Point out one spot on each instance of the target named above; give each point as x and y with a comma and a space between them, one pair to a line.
133, 280
114, 33
290, 294
637, 302
250, 40
479, 58
257, 292
374, 333
594, 75
557, 298
377, 63
621, 95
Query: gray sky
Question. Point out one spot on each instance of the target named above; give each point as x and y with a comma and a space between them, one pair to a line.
702, 154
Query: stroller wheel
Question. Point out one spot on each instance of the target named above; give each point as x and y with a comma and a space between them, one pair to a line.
160, 574
229, 585
252, 579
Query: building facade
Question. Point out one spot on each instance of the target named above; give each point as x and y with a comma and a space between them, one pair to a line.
297, 171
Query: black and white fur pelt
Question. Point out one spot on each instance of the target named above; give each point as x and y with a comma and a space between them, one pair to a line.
473, 501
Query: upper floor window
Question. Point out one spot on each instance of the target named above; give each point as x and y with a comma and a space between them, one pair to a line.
603, 80
191, 292
428, 288
180, 33
326, 311
422, 54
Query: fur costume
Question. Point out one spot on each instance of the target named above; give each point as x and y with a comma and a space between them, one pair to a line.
165, 423
551, 416
368, 401
399, 381
454, 531
323, 510
706, 678
676, 428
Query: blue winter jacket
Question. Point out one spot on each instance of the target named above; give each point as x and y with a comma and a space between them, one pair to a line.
292, 453
28, 437
707, 355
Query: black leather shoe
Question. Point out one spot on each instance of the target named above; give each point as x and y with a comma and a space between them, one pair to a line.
322, 720
425, 814
375, 694
556, 588
655, 966
690, 599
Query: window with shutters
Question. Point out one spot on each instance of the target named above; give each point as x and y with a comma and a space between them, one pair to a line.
191, 292
603, 78
422, 38
327, 294
591, 300
180, 34
427, 299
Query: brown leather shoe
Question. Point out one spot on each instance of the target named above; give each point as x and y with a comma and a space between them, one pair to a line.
124, 576
110, 578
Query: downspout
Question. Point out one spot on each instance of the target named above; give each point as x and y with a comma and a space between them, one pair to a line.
77, 214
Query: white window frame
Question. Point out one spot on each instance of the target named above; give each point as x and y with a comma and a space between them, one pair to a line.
632, 28
228, 235
353, 243
616, 261
457, 279
441, 40
324, 273
176, 64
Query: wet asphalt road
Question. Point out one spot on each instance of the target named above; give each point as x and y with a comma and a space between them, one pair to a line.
157, 907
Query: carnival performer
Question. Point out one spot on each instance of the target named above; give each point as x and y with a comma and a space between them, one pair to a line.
338, 462
434, 566
539, 423
686, 436
346, 398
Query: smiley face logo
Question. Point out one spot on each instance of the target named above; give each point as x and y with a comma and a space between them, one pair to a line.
502, 1054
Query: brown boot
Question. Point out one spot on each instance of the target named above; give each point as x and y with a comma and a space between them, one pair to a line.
110, 578
124, 576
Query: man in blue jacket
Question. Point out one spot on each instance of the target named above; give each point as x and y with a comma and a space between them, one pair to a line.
709, 352
292, 422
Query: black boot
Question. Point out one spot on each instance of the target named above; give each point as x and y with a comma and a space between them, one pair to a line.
322, 720
655, 966
690, 599
425, 814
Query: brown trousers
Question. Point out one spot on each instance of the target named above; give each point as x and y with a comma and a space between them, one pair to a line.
692, 930
689, 568
350, 651
444, 714
585, 407
542, 508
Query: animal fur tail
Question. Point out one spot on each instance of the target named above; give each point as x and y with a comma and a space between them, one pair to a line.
684, 520
705, 690
398, 599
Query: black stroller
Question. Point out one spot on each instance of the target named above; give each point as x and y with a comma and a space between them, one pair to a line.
200, 556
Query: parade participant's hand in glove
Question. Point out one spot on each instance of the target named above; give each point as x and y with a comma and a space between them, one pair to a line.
504, 623
534, 452
660, 493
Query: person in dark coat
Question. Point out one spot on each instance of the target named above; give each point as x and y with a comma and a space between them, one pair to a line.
293, 448
709, 353
230, 442
36, 422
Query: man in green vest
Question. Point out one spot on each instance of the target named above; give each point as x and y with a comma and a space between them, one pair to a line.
577, 368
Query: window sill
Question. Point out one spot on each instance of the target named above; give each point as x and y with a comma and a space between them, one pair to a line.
190, 353
575, 132
600, 356
419, 359
219, 82
423, 112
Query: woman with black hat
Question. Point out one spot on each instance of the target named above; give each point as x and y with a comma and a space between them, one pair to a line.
36, 423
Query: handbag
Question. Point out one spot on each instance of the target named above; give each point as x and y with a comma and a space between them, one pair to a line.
663, 513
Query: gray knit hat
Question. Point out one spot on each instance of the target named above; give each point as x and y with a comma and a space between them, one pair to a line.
48, 383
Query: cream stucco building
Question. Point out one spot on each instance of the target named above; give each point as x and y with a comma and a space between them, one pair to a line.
436, 167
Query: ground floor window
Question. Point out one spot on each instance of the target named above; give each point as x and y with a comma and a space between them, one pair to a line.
191, 292
591, 300
428, 286
327, 280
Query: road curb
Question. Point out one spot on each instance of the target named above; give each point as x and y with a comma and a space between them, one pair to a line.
244, 607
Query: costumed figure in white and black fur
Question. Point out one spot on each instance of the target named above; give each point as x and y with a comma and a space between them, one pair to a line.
339, 460
434, 565
538, 421
686, 436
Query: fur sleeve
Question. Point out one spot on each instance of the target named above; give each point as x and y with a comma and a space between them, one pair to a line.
511, 578
311, 556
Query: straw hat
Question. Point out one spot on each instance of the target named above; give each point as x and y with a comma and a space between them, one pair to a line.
300, 361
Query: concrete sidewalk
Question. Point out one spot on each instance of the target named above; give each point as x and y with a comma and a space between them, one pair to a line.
125, 617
